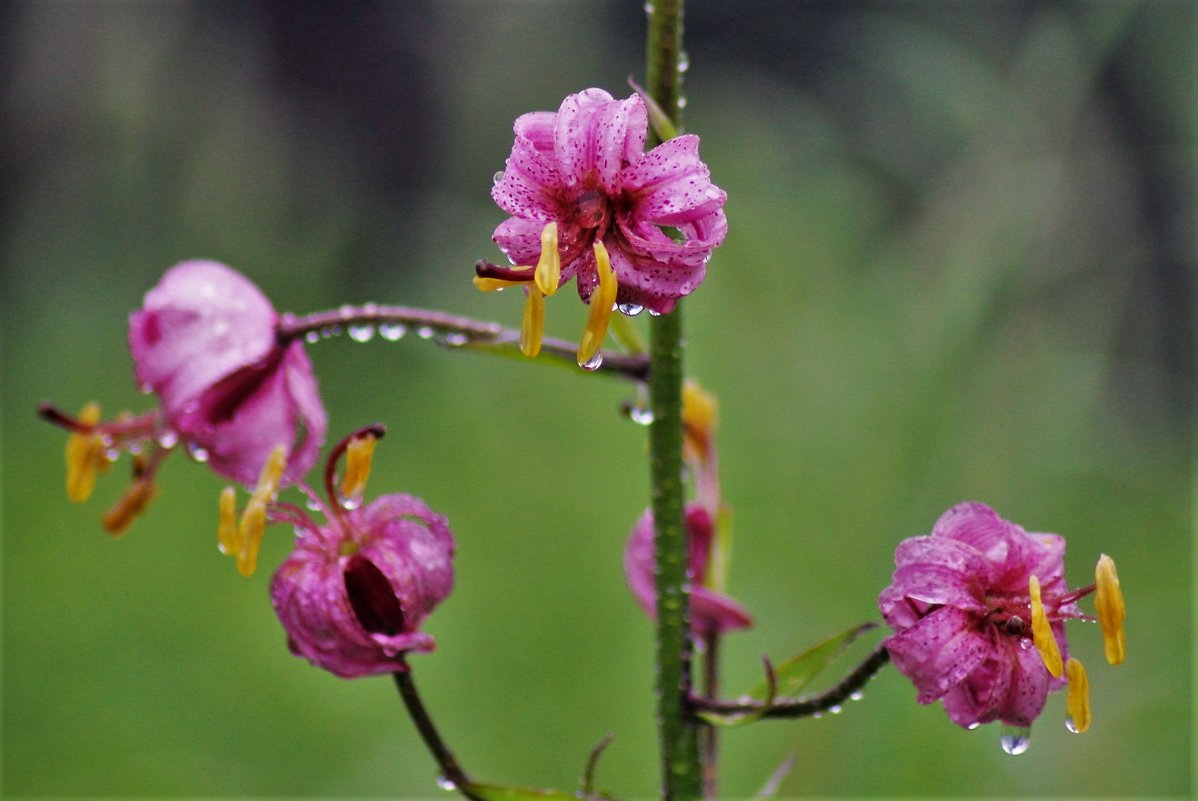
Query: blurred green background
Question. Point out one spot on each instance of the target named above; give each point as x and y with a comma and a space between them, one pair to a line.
959, 266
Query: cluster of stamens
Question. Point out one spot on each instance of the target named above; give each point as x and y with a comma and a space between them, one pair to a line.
541, 280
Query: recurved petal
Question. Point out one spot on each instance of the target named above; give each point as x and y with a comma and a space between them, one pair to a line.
200, 323
712, 612
413, 547
645, 281
671, 185
941, 571
529, 184
939, 651
597, 135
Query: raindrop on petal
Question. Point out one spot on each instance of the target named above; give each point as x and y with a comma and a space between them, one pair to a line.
497, 177
630, 309
1015, 739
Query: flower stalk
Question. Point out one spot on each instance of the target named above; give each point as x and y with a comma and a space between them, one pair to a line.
682, 777
450, 330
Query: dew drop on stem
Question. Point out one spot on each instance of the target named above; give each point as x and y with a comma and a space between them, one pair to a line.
361, 333
392, 332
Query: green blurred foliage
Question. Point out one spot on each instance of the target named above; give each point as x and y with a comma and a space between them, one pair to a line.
959, 266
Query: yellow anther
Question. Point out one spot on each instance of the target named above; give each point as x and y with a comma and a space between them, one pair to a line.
700, 414
226, 533
249, 535
358, 456
533, 327
1111, 611
549, 265
85, 456
272, 473
603, 299
135, 500
1078, 703
1042, 634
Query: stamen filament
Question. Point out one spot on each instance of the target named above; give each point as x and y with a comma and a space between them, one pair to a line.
226, 533
1042, 634
135, 500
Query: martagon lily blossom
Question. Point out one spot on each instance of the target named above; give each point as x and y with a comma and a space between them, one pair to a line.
978, 610
355, 590
586, 201
230, 390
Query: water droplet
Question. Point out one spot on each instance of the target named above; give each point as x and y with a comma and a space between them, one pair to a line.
424, 332
112, 454
594, 363
351, 503
497, 177
836, 709
146, 388
312, 504
196, 452
1015, 739
684, 62
649, 8
330, 331
312, 337
630, 309
641, 415
133, 448
392, 332
1070, 725
973, 725
1026, 643
856, 695
455, 339
347, 311
446, 784
817, 715
361, 333
681, 102
168, 439
654, 313
370, 309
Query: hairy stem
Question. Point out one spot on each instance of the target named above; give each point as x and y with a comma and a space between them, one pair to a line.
677, 729
451, 331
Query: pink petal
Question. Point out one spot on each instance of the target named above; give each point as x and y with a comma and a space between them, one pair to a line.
596, 136
671, 186
939, 651
200, 323
529, 187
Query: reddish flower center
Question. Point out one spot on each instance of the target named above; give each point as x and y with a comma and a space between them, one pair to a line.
590, 208
372, 597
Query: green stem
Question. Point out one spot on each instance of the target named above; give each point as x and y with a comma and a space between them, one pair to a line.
677, 729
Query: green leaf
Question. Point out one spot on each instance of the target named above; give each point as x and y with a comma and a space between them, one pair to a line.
791, 676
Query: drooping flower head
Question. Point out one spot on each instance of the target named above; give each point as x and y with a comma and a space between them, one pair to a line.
355, 590
712, 613
586, 201
978, 610
230, 390
206, 343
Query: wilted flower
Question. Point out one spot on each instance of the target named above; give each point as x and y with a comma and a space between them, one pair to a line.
712, 613
355, 590
978, 610
635, 228
230, 390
